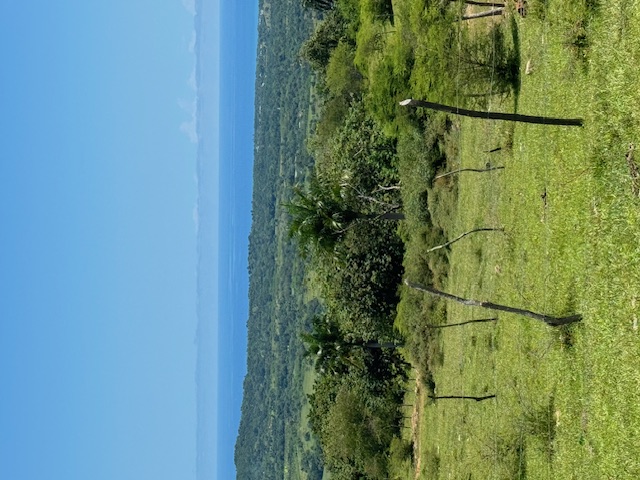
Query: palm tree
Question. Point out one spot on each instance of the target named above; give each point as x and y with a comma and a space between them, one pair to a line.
324, 345
333, 352
320, 216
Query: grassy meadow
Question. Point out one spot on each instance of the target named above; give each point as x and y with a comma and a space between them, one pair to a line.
567, 399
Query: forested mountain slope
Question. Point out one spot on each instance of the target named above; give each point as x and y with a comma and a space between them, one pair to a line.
269, 441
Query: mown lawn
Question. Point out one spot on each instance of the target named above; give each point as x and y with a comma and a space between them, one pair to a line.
568, 400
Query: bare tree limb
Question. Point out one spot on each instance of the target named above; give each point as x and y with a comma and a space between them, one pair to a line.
489, 13
384, 189
460, 237
483, 4
548, 319
514, 117
442, 175
464, 397
478, 320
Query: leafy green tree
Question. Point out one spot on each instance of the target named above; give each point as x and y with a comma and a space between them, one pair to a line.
355, 426
333, 351
318, 48
320, 217
359, 158
360, 282
343, 79
326, 345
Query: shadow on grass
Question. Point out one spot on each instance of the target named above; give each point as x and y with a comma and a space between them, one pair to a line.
492, 61
539, 421
508, 455
514, 63
568, 332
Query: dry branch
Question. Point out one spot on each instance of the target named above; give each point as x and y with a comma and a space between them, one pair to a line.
489, 13
478, 320
460, 237
548, 319
513, 117
488, 169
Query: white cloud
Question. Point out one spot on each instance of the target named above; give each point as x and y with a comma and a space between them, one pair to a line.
192, 42
196, 216
190, 6
193, 85
190, 127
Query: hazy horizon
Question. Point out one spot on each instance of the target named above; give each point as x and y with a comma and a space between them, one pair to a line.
223, 223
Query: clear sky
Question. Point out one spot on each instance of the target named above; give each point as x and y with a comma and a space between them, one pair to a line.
97, 240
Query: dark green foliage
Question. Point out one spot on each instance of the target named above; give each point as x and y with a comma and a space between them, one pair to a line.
362, 282
321, 5
273, 396
359, 158
356, 256
355, 425
318, 48
343, 80
353, 168
312, 464
381, 9
319, 217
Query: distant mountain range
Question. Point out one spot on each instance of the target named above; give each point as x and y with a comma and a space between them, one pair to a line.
225, 50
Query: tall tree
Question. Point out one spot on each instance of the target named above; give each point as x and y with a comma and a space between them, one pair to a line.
317, 49
333, 350
320, 218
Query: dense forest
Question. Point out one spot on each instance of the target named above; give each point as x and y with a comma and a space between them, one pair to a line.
269, 441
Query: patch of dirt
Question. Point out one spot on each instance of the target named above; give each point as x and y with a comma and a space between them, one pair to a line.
416, 415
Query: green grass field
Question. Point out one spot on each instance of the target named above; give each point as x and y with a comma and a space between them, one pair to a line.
568, 400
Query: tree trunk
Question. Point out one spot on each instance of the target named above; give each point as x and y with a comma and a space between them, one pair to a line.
479, 320
390, 187
381, 345
453, 172
460, 237
489, 13
384, 216
465, 397
549, 320
392, 216
483, 4
514, 117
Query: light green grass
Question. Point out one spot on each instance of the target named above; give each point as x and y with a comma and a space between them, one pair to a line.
568, 402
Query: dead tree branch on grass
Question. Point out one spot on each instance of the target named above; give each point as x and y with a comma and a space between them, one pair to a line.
484, 4
464, 397
513, 117
548, 319
489, 13
460, 237
478, 320
453, 172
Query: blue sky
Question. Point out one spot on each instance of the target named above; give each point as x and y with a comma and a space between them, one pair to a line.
97, 240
